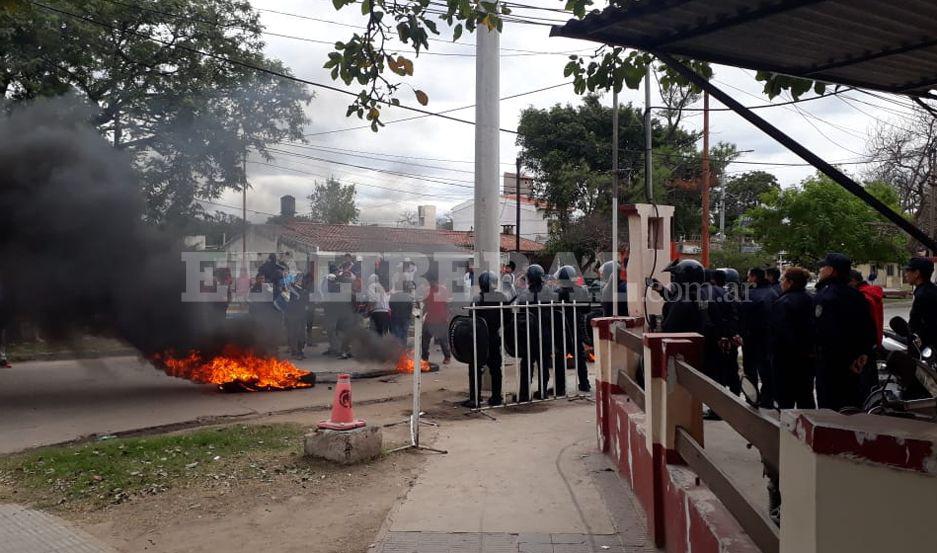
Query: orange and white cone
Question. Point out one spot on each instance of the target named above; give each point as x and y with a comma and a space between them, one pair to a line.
343, 417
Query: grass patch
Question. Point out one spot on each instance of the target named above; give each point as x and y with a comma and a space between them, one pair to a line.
105, 472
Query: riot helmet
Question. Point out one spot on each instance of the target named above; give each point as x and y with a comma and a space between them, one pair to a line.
535, 276
684, 271
487, 282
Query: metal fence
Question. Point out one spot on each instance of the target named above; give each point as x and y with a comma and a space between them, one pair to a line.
545, 335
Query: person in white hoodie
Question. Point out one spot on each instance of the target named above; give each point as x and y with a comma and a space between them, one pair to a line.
379, 305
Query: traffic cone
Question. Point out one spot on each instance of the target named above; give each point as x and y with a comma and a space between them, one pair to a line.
343, 418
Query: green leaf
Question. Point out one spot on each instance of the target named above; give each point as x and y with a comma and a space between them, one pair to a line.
365, 7
431, 25
456, 32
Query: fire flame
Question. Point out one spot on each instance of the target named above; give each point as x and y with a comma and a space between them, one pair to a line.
405, 364
235, 368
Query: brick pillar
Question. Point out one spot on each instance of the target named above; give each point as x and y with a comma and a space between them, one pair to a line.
667, 406
609, 356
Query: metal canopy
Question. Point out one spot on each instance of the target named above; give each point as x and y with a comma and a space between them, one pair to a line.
886, 46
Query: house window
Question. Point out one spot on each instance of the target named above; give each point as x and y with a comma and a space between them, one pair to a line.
890, 269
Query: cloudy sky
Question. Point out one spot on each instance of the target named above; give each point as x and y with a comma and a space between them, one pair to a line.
429, 160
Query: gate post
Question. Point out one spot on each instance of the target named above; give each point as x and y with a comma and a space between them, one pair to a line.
609, 355
667, 406
859, 483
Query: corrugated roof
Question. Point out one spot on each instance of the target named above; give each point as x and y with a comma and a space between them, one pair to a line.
888, 46
352, 238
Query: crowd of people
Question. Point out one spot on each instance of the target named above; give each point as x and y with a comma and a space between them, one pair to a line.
801, 349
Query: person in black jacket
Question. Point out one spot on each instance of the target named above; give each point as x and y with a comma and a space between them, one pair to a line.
792, 342
570, 292
923, 317
773, 274
755, 314
489, 296
845, 337
725, 281
537, 331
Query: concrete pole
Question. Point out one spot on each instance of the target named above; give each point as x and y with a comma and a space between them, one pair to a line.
614, 203
704, 224
487, 146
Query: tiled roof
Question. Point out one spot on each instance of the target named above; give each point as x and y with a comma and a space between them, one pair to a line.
353, 238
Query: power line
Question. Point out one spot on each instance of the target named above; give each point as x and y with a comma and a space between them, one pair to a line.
357, 183
254, 67
450, 110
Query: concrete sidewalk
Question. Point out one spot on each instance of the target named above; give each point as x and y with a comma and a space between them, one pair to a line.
528, 482
25, 530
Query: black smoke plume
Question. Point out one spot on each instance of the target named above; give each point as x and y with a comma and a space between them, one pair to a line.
76, 253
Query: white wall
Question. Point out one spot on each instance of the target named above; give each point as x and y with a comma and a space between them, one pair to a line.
533, 224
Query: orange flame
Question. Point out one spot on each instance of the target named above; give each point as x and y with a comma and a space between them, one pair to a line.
234, 367
405, 364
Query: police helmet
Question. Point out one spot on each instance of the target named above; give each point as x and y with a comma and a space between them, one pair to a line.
732, 276
535, 275
566, 274
487, 282
686, 271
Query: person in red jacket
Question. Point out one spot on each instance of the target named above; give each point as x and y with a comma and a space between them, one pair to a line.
875, 296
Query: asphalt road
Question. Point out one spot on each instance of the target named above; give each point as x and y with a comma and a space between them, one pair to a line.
48, 402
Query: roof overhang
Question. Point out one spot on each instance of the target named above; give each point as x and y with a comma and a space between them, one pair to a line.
885, 46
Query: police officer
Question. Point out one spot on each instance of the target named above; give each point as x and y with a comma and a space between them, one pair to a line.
693, 306
537, 331
727, 279
489, 295
570, 292
755, 317
791, 340
923, 318
845, 337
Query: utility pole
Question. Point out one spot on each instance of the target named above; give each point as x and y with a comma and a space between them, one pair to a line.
704, 227
517, 207
615, 267
648, 143
244, 215
487, 148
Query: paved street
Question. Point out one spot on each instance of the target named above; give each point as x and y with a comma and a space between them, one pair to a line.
25, 530
47, 402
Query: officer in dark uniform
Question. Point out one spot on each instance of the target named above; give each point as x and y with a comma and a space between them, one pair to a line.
845, 337
791, 341
693, 305
537, 330
727, 279
755, 318
570, 292
923, 318
489, 295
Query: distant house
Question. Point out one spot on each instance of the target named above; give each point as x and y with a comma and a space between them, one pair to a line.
313, 246
534, 223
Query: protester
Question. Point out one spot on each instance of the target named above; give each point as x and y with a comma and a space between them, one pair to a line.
436, 320
379, 306
537, 331
488, 296
507, 286
755, 315
875, 296
468, 281
569, 291
401, 310
295, 318
791, 341
923, 317
346, 316
845, 336
271, 270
